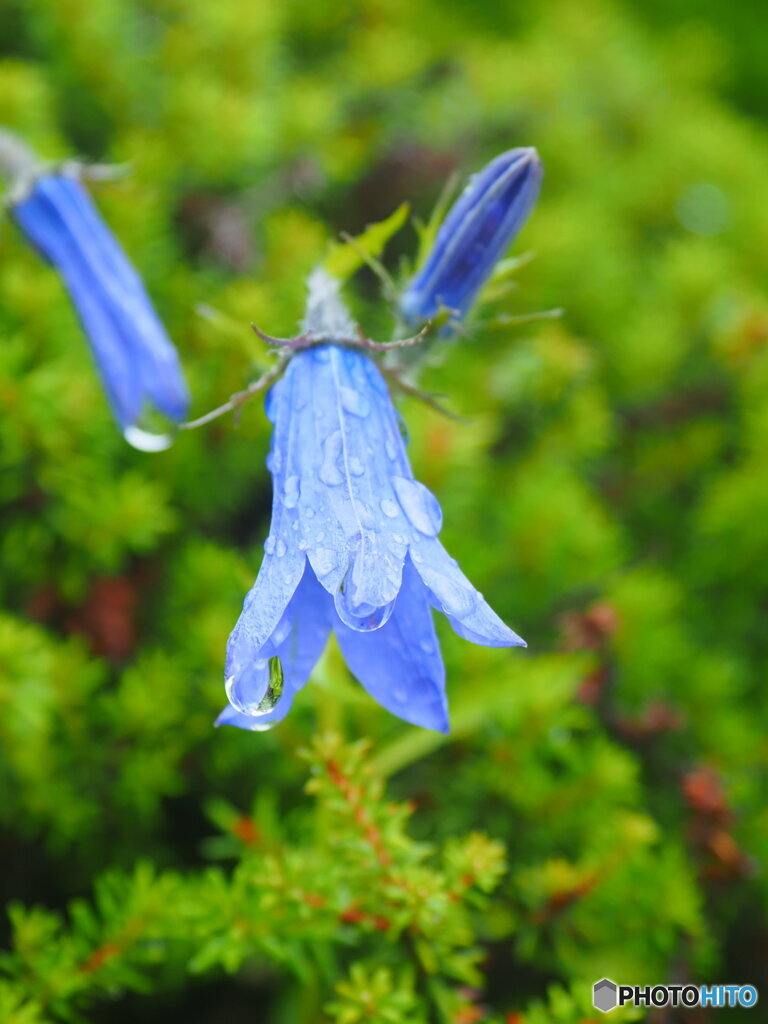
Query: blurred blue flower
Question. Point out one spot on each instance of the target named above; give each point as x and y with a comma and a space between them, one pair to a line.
136, 360
476, 233
353, 548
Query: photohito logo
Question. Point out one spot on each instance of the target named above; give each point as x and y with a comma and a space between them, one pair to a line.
607, 995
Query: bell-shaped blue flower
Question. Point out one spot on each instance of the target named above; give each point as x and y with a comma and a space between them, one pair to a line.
476, 233
353, 548
138, 363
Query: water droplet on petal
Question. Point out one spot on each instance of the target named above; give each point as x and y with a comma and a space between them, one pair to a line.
419, 504
389, 507
356, 467
144, 441
389, 448
275, 687
353, 402
324, 561
330, 471
362, 617
280, 548
309, 513
269, 545
257, 687
291, 492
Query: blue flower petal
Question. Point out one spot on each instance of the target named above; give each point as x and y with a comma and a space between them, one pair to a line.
452, 593
297, 640
264, 610
400, 664
340, 475
135, 357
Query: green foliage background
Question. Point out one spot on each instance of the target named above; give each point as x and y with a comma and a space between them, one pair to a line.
599, 808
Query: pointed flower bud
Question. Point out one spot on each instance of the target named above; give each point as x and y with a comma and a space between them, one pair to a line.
137, 361
476, 233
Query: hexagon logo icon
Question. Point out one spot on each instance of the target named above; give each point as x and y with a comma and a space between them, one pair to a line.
604, 995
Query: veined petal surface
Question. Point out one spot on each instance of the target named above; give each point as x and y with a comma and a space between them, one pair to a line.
339, 478
400, 664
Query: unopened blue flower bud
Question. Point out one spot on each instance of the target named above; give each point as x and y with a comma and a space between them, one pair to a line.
476, 233
137, 361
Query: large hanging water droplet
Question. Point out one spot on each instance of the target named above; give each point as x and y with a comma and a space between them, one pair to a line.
353, 402
291, 492
257, 688
144, 441
330, 471
360, 616
246, 688
419, 504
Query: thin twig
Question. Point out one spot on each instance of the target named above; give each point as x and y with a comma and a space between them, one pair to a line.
300, 341
240, 397
385, 346
394, 376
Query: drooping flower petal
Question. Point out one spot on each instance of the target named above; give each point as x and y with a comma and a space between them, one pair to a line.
297, 641
476, 233
466, 609
400, 664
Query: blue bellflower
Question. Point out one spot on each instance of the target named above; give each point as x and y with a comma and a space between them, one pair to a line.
476, 233
138, 363
353, 547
